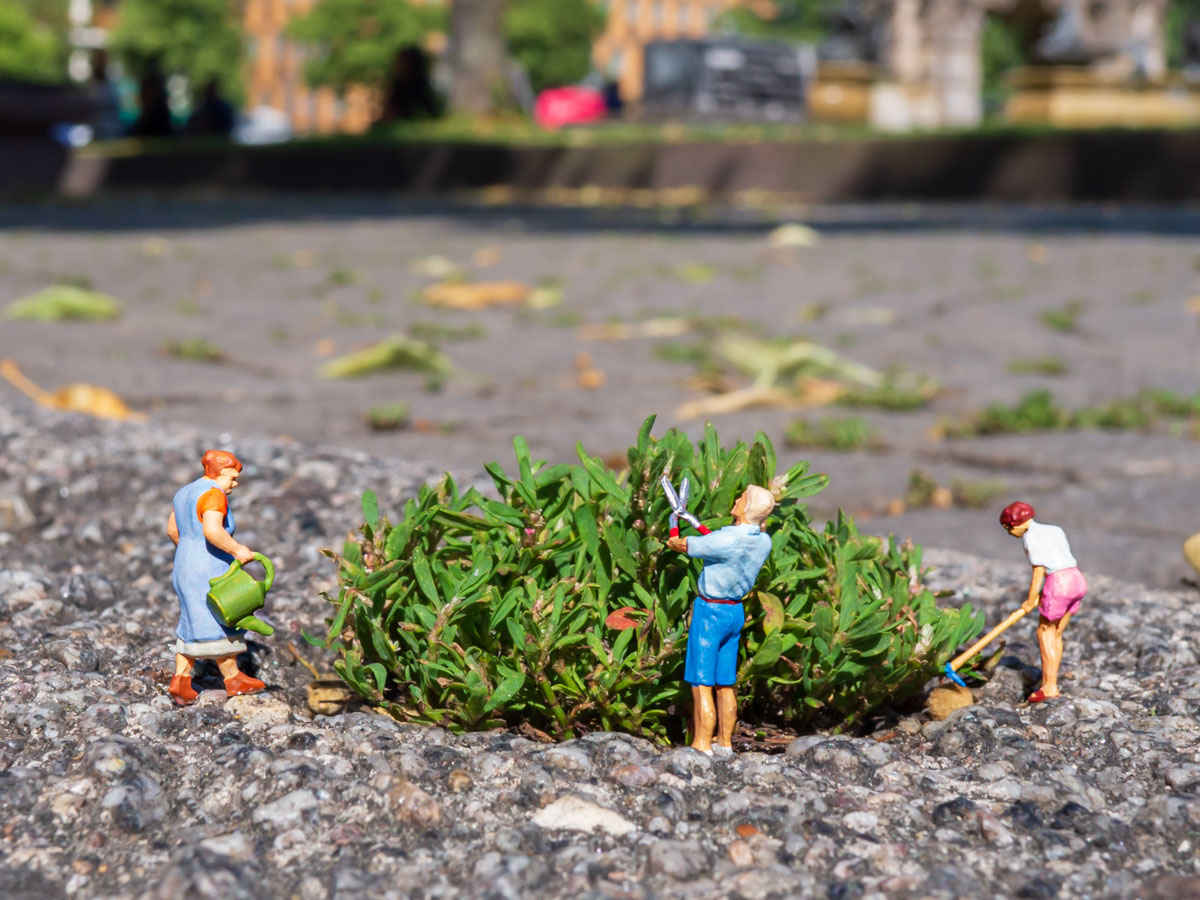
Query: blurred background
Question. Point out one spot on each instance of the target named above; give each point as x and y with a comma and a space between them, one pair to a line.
945, 249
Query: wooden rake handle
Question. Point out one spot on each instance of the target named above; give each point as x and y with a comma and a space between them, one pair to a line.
987, 638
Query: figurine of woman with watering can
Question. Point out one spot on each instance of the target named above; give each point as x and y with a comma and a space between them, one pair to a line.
202, 526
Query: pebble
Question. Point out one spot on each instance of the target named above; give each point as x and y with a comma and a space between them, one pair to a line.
574, 814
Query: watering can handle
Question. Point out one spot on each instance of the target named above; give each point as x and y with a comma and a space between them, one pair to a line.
267, 565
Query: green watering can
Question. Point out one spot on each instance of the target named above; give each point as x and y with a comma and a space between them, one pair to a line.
234, 596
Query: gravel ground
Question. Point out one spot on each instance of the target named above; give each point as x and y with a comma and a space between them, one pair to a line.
953, 293
107, 790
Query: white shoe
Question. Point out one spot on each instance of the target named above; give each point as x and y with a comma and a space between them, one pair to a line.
721, 750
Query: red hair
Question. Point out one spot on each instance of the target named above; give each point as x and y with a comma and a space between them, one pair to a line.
1015, 514
216, 460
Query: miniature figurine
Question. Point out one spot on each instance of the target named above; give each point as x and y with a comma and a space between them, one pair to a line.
733, 557
1056, 588
202, 525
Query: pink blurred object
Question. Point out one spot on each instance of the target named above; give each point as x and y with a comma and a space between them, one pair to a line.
557, 107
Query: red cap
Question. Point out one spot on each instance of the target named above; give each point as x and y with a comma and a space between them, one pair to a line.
1016, 513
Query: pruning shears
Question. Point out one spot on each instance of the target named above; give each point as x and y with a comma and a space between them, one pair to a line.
679, 510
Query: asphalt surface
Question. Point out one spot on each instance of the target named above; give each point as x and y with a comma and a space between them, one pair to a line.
957, 294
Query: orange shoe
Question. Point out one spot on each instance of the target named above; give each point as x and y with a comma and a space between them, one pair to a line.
181, 690
241, 683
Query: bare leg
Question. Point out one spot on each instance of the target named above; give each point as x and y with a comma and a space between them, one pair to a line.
1050, 641
227, 665
183, 665
726, 714
704, 717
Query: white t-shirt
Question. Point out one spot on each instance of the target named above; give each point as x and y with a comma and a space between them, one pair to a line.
1046, 545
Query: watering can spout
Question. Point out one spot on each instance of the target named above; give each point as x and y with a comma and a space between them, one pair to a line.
255, 624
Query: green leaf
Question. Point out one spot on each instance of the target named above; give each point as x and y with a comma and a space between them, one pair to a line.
370, 508
504, 692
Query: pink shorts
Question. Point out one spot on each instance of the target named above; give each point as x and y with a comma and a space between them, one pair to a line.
1062, 593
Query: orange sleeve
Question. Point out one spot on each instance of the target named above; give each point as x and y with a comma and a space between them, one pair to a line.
210, 500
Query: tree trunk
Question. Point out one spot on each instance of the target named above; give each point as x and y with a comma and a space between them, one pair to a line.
478, 57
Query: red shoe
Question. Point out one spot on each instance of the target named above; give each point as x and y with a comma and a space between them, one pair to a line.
1037, 697
241, 683
181, 690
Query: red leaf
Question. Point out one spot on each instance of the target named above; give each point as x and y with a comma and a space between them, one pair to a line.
618, 620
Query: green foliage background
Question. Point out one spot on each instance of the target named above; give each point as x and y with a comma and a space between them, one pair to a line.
799, 20
32, 48
354, 41
473, 612
552, 39
200, 39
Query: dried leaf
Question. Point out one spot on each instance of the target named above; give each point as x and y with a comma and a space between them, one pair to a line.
478, 295
624, 331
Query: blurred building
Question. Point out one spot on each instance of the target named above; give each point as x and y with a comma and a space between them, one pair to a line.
632, 24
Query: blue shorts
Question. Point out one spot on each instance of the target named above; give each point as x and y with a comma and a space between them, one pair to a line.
712, 648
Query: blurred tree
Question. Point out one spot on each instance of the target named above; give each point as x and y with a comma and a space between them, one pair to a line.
356, 41
552, 39
479, 57
1179, 14
200, 39
30, 50
800, 20
1001, 52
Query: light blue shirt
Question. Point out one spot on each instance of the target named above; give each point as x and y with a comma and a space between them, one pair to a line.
733, 557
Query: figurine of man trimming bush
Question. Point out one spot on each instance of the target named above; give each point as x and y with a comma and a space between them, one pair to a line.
733, 557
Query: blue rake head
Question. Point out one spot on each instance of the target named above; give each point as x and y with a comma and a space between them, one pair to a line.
953, 676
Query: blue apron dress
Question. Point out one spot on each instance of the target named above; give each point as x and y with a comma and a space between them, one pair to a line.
200, 634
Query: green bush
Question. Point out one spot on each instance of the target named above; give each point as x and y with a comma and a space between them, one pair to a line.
558, 604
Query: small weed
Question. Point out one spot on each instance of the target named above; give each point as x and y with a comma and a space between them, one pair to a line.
813, 312
439, 333
1064, 319
375, 296
987, 269
896, 394
278, 335
693, 353
82, 282
695, 273
1039, 411
391, 417
977, 494
194, 350
845, 339
923, 491
838, 435
1144, 297
1036, 411
187, 306
747, 273
1041, 365
342, 276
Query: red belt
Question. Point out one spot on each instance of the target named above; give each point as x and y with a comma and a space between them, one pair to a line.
713, 600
